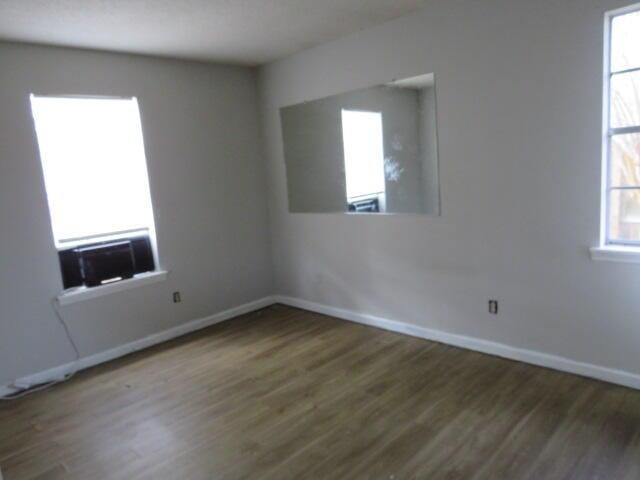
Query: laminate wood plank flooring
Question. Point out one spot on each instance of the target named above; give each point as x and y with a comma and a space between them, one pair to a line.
287, 394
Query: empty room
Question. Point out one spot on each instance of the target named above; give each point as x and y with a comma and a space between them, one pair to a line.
320, 239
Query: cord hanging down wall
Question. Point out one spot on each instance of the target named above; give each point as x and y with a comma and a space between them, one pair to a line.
24, 390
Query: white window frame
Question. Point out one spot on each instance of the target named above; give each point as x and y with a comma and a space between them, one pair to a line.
615, 250
149, 229
80, 294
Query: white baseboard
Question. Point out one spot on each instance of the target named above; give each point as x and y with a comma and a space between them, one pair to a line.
555, 362
61, 371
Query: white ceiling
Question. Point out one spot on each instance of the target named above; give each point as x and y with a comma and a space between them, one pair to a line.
248, 32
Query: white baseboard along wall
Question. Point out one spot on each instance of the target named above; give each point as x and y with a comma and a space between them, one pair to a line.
555, 362
60, 372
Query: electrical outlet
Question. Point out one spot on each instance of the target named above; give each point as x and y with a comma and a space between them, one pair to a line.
493, 307
176, 297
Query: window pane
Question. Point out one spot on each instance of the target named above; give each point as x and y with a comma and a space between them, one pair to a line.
625, 100
624, 215
94, 165
625, 160
363, 153
625, 38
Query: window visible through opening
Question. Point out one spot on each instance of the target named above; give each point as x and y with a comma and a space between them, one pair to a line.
363, 156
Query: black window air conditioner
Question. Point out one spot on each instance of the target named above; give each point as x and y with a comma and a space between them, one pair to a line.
370, 205
104, 262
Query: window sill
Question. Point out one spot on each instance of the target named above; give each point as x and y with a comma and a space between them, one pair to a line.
81, 294
613, 253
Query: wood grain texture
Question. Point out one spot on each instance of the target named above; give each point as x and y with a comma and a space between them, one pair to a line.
288, 394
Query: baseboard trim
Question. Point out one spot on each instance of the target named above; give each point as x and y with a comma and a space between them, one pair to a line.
555, 362
619, 377
58, 373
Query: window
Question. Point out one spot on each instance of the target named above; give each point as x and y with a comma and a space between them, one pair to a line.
95, 174
621, 192
363, 156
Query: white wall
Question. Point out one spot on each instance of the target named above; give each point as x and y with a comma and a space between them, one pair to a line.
208, 189
519, 118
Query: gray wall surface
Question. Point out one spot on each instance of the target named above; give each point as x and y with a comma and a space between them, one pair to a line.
208, 189
429, 149
312, 139
519, 99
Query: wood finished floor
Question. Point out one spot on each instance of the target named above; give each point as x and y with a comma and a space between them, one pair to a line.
287, 394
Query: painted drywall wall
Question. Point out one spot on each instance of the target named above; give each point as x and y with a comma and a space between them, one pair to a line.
208, 187
429, 149
314, 152
519, 121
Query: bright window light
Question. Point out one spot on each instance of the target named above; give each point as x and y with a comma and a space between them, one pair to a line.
363, 153
94, 165
621, 211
